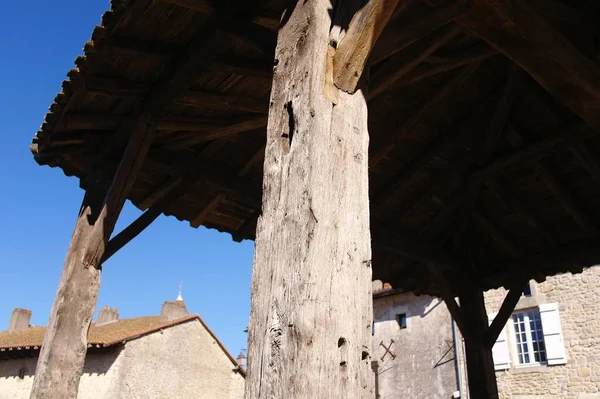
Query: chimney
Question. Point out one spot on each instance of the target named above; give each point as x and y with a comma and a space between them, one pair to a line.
172, 310
107, 315
19, 320
241, 359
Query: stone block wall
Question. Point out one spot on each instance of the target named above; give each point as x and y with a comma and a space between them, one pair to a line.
578, 297
423, 366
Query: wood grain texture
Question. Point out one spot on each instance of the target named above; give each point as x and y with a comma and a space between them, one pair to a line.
61, 359
354, 49
480, 363
312, 259
518, 31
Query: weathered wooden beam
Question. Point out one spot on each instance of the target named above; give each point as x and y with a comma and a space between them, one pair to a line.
145, 219
587, 159
245, 230
480, 363
61, 359
440, 281
159, 193
355, 47
454, 134
302, 229
400, 34
533, 152
501, 115
402, 63
461, 57
518, 207
206, 211
218, 134
518, 31
561, 194
253, 161
390, 141
496, 234
506, 309
216, 178
227, 101
574, 257
206, 7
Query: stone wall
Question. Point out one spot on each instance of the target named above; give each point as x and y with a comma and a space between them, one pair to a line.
100, 379
579, 307
424, 364
179, 362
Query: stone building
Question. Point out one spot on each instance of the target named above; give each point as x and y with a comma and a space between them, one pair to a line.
549, 349
413, 352
173, 355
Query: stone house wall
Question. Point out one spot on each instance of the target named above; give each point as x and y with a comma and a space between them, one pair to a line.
424, 364
578, 298
182, 361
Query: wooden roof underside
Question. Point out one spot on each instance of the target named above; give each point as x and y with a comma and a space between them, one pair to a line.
472, 161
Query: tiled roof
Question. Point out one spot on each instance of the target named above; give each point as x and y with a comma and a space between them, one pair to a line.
104, 335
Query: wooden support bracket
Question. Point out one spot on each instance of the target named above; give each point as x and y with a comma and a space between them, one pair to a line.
354, 49
508, 306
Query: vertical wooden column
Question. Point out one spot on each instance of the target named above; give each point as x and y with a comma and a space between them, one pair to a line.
62, 356
480, 363
310, 325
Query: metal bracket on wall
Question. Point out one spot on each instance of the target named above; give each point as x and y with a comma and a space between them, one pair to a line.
387, 350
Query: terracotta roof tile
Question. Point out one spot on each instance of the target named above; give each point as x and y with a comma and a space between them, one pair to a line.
105, 335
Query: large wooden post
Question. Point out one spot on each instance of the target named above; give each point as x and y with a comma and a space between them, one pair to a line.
62, 356
310, 325
480, 363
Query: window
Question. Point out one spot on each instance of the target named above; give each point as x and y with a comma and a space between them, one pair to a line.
527, 290
401, 320
529, 337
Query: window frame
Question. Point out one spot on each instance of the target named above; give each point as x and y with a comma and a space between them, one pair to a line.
529, 340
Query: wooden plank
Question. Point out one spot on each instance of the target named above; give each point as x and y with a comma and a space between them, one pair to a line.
561, 194
519, 208
206, 211
402, 63
400, 34
501, 115
312, 157
587, 159
206, 7
533, 151
518, 31
218, 134
252, 162
461, 57
496, 234
125, 236
355, 47
219, 100
159, 193
389, 142
506, 309
574, 257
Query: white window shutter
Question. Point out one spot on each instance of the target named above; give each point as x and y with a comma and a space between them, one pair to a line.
500, 349
553, 336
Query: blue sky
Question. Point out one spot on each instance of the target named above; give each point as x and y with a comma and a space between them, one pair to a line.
39, 41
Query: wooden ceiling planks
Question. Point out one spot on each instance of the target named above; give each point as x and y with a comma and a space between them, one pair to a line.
434, 86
